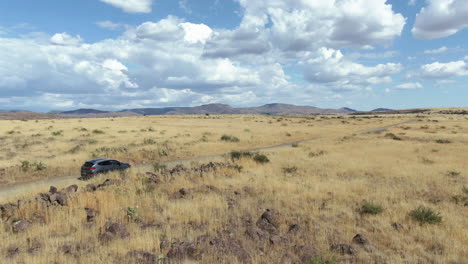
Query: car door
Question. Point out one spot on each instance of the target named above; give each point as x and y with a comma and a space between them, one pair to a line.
115, 165
105, 166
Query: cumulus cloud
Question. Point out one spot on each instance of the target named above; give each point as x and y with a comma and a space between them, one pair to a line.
436, 51
440, 70
441, 18
409, 86
333, 68
65, 39
131, 6
299, 25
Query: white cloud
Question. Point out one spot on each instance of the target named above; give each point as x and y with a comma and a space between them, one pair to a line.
409, 86
65, 39
131, 6
109, 25
444, 70
196, 32
331, 67
436, 51
299, 25
441, 18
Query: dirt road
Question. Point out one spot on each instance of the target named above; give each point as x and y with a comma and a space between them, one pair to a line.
10, 191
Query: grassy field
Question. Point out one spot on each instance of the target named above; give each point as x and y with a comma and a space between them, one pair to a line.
403, 190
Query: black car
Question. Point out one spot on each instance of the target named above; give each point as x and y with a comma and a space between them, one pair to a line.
96, 166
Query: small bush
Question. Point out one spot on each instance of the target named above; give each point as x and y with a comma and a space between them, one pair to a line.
295, 145
425, 215
392, 136
235, 155
149, 141
453, 173
322, 260
57, 133
443, 141
75, 149
132, 213
97, 131
317, 153
229, 138
290, 170
373, 209
34, 166
261, 158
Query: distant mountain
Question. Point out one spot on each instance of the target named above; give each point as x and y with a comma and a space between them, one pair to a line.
349, 110
381, 109
83, 112
269, 109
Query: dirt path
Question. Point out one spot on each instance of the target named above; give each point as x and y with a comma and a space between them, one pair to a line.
44, 184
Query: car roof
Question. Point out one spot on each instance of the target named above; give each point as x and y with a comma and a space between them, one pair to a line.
98, 160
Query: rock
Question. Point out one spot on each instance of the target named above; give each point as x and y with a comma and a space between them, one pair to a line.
305, 253
183, 250
34, 245
113, 230
256, 234
229, 246
52, 189
90, 188
360, 239
21, 226
263, 224
91, 214
66, 249
71, 189
397, 226
59, 198
183, 191
278, 240
152, 224
8, 210
141, 257
343, 249
294, 229
12, 251
273, 217
107, 183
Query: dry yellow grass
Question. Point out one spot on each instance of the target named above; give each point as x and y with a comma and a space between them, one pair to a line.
319, 185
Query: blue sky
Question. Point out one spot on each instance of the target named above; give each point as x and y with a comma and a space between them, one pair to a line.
117, 54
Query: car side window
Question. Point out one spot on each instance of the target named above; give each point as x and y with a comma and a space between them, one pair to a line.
105, 163
114, 162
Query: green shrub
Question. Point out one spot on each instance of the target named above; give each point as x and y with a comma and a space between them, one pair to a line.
132, 213
322, 260
235, 155
425, 215
34, 166
373, 209
229, 138
57, 133
295, 145
443, 141
317, 153
75, 149
261, 158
